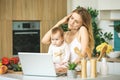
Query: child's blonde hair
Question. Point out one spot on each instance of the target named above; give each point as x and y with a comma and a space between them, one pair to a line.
58, 29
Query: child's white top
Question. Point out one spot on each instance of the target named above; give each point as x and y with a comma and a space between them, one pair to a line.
61, 53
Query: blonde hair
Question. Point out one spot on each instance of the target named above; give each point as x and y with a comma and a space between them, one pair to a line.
86, 19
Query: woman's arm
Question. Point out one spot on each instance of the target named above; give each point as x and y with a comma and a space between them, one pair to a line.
84, 40
46, 38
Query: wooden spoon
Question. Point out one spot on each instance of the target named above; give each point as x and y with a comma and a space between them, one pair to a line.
103, 51
77, 51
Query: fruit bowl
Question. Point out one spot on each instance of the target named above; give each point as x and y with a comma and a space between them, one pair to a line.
114, 54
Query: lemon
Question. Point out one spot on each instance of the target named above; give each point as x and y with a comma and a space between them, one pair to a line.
0, 64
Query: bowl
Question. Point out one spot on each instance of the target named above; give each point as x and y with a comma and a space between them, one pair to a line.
114, 54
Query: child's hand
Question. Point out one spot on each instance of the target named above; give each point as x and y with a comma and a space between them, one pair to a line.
62, 63
61, 69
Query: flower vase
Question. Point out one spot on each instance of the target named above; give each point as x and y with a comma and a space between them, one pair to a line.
104, 67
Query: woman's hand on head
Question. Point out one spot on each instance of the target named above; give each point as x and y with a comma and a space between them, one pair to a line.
65, 19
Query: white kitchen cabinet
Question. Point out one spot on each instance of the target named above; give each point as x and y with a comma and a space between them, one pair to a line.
109, 4
109, 9
114, 68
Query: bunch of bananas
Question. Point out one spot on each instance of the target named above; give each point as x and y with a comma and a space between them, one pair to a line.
101, 46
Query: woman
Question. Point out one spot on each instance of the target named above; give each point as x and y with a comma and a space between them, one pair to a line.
79, 35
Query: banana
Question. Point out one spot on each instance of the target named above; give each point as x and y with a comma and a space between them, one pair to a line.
0, 63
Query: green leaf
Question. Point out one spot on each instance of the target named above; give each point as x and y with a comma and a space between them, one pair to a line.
72, 66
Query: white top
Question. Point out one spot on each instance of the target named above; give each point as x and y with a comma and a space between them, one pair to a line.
72, 45
60, 54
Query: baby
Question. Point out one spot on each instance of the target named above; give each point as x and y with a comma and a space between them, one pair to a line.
59, 48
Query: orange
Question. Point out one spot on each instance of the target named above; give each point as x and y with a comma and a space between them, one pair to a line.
3, 69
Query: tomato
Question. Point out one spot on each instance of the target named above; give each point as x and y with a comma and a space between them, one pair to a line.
5, 61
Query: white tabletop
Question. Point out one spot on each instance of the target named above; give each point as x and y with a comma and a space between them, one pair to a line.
10, 76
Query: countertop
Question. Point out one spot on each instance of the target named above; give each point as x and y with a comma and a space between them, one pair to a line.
14, 76
113, 70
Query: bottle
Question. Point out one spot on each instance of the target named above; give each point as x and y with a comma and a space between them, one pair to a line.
88, 68
93, 68
84, 68
104, 67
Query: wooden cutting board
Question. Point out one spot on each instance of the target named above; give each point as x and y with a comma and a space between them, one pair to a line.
14, 72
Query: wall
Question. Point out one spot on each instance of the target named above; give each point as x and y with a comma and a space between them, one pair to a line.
47, 11
72, 4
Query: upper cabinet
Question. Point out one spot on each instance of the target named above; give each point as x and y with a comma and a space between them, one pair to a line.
112, 15
109, 9
109, 4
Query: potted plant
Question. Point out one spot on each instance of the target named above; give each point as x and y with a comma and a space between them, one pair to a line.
99, 36
71, 70
117, 29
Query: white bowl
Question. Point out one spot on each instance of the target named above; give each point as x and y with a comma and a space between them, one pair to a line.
114, 54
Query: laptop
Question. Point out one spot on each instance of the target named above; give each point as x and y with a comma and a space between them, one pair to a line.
37, 64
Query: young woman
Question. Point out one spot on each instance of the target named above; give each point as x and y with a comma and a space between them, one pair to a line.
79, 34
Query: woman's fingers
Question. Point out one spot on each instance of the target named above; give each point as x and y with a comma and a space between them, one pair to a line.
68, 16
65, 19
